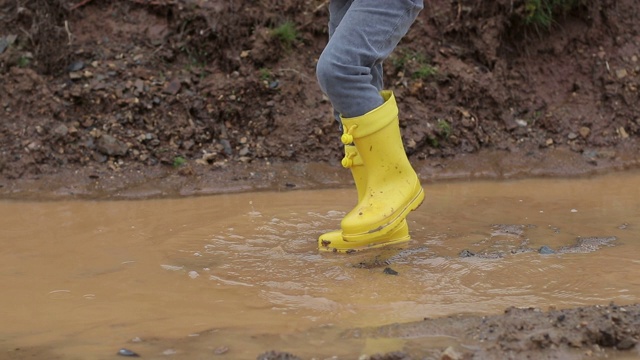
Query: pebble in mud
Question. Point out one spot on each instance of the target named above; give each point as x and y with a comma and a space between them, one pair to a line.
221, 350
277, 355
545, 250
466, 253
389, 271
127, 352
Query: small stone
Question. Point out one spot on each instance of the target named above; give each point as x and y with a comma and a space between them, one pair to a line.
584, 132
127, 352
545, 250
466, 253
244, 151
450, 354
226, 146
111, 146
221, 350
139, 84
61, 131
187, 145
75, 66
6, 41
271, 355
572, 136
172, 87
623, 133
33, 146
389, 271
574, 210
621, 73
626, 343
549, 142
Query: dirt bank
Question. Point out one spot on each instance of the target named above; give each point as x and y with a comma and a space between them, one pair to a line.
211, 89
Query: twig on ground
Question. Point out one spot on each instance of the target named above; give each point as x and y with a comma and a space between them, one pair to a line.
81, 3
69, 34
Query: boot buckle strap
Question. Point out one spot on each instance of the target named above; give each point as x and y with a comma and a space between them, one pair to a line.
347, 137
347, 160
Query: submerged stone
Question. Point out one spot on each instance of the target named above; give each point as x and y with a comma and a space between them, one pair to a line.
389, 271
545, 250
127, 352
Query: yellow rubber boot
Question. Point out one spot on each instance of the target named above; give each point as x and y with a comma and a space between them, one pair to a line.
333, 241
392, 186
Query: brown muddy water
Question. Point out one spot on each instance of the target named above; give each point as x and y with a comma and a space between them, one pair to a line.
238, 275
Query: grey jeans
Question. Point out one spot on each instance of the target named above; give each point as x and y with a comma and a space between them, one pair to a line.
362, 33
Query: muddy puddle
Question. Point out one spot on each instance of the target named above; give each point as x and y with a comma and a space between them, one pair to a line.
233, 276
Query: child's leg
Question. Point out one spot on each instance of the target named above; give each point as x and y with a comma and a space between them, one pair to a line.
337, 10
362, 34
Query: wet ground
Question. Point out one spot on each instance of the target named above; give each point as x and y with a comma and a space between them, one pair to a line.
234, 276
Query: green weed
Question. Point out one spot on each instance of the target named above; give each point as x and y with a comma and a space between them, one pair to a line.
415, 64
444, 128
424, 71
265, 74
286, 33
541, 13
197, 60
179, 161
24, 61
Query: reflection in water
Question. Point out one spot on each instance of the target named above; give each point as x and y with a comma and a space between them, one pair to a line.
242, 272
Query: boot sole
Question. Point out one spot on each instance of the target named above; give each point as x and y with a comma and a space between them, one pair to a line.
350, 247
376, 245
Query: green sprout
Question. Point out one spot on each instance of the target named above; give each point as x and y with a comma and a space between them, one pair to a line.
444, 127
286, 33
540, 13
179, 161
265, 74
414, 63
424, 71
23, 61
